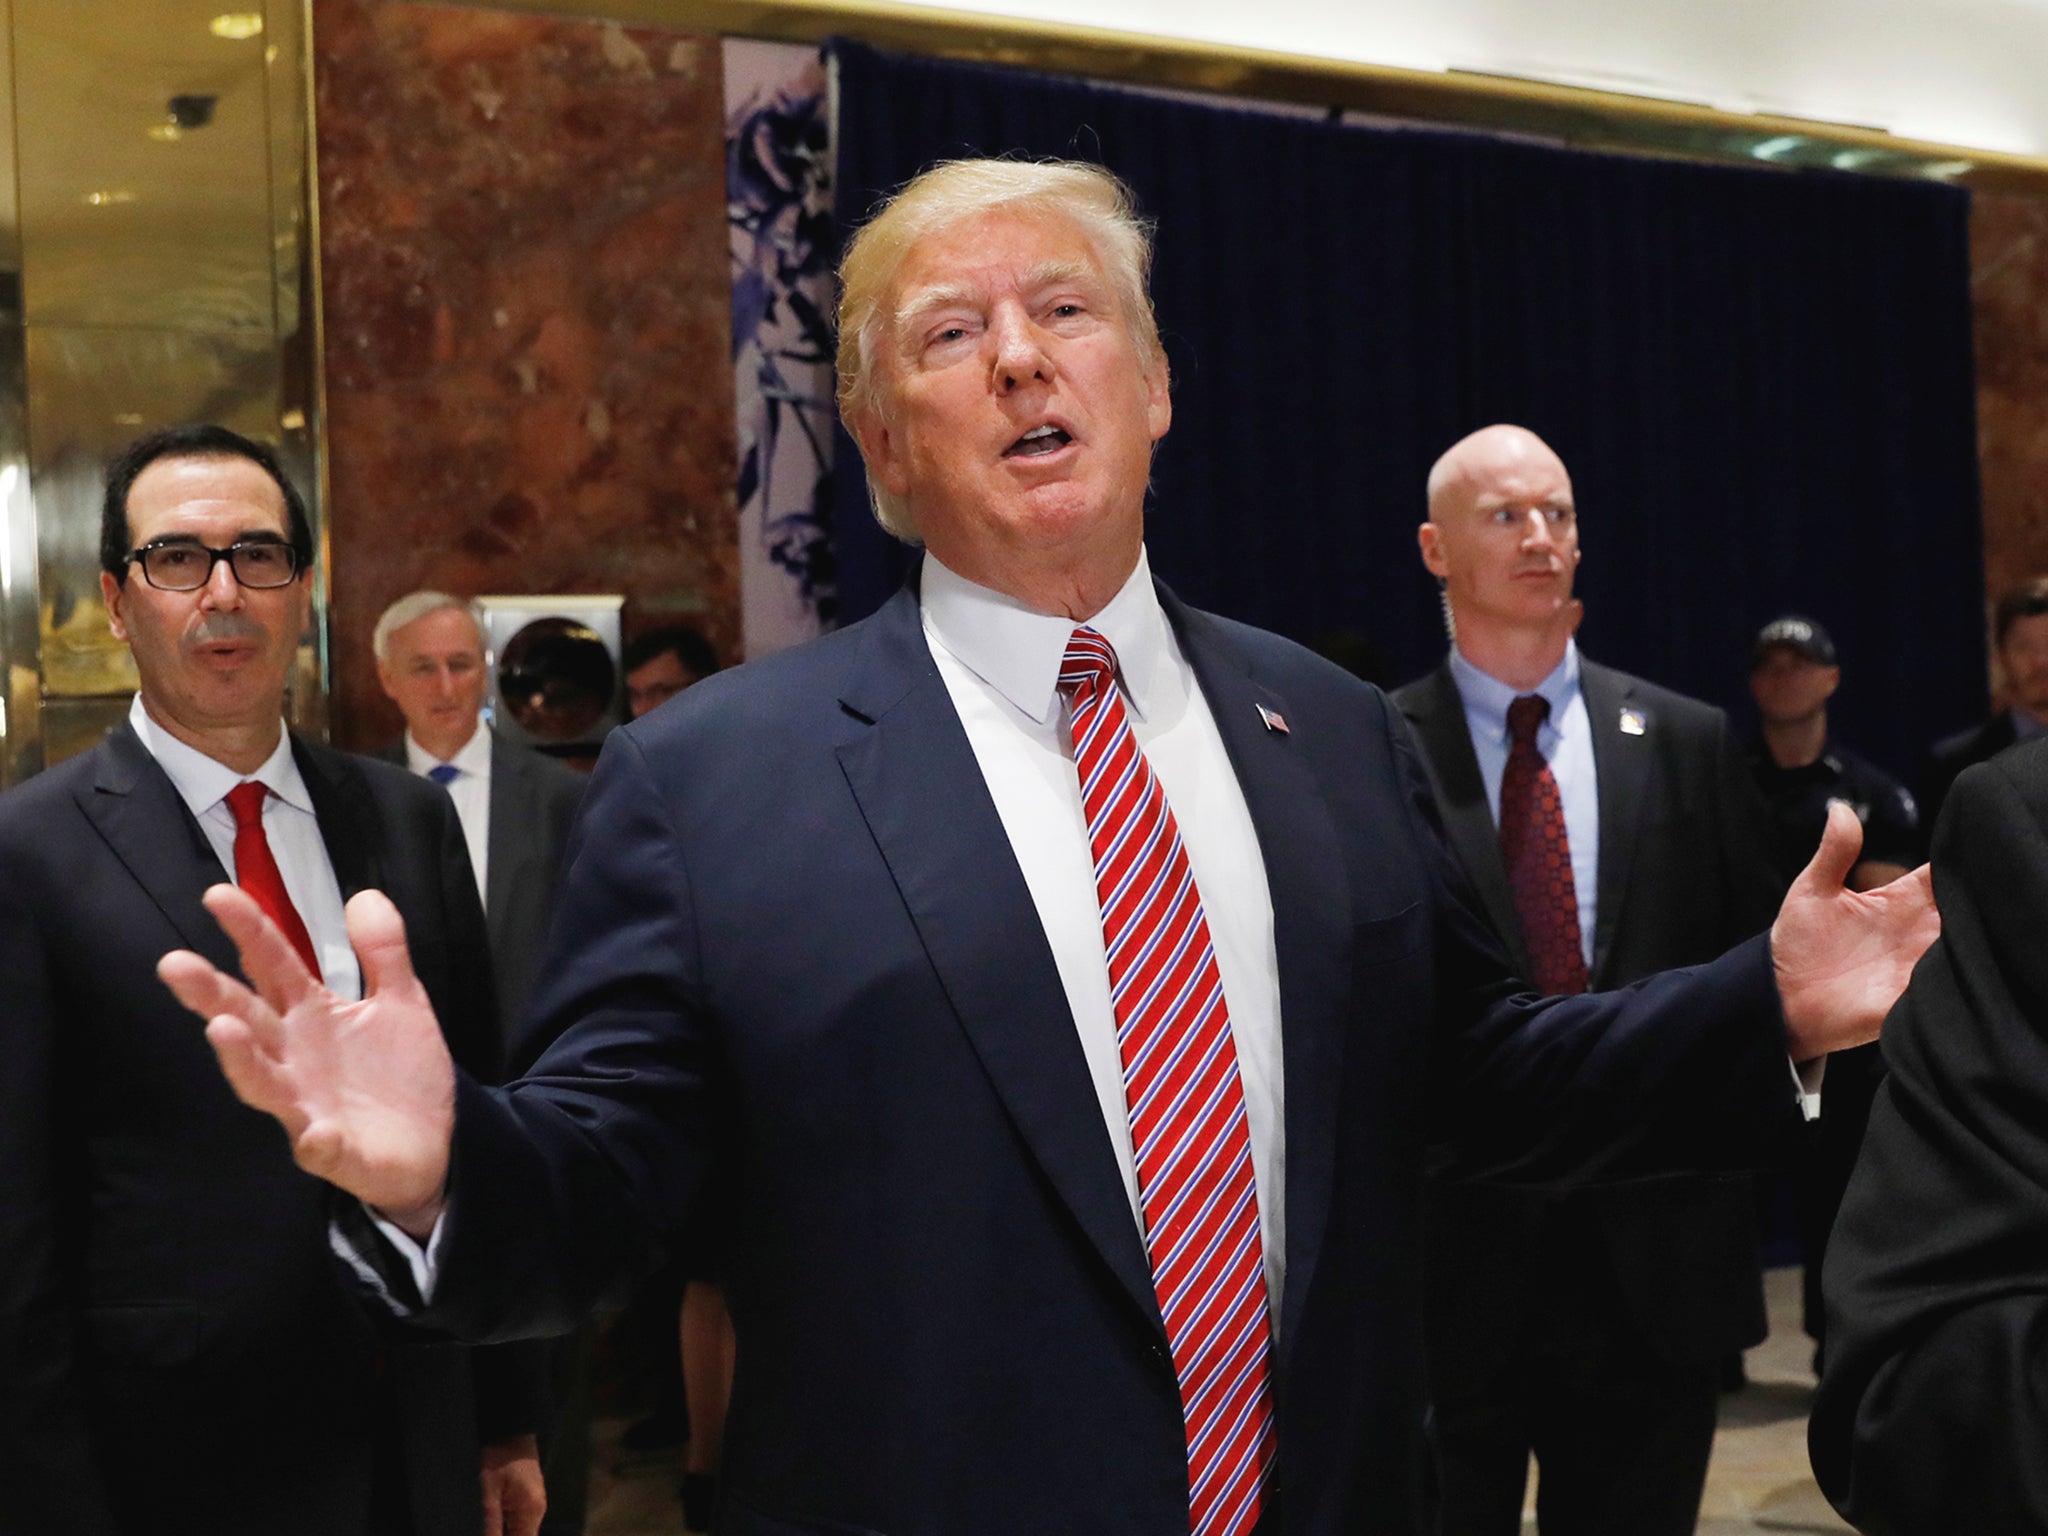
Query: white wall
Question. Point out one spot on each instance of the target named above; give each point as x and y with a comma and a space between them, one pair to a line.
1969, 72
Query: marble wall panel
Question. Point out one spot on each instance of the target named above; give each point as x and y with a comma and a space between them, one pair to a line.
2009, 296
524, 271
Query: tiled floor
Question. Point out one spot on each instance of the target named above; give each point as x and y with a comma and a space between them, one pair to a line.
1759, 1480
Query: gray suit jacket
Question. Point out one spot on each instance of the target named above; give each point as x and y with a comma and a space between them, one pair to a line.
533, 800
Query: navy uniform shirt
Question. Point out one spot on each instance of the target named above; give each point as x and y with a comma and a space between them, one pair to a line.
1798, 800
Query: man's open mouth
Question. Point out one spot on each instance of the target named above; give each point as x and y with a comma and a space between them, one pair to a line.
1045, 439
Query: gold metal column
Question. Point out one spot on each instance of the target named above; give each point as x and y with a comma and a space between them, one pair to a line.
156, 209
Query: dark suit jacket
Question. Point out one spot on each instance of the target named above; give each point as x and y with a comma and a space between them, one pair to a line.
1952, 754
533, 801
794, 941
1932, 1416
1684, 873
178, 1350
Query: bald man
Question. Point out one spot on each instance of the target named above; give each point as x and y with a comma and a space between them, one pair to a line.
1611, 831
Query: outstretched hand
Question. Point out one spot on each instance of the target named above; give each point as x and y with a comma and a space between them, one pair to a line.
366, 1090
1842, 957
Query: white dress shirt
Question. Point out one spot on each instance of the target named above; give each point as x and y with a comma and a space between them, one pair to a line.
289, 824
470, 789
1000, 663
1565, 739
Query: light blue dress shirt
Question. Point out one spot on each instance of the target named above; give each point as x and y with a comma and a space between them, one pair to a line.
1566, 741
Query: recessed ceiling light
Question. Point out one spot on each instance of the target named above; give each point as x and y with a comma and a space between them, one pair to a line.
108, 199
237, 26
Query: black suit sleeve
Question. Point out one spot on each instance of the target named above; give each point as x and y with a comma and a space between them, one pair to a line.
513, 1396
51, 1479
1934, 1409
1681, 1072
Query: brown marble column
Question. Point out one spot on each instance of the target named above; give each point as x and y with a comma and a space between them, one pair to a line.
2009, 295
524, 272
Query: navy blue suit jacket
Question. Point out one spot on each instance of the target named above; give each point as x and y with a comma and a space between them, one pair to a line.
795, 952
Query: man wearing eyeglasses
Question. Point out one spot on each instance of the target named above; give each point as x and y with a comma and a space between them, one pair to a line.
178, 1351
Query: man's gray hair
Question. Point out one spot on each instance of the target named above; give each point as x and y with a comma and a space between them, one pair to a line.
413, 607
953, 193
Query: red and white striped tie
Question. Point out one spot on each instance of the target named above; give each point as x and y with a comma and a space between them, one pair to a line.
1188, 1129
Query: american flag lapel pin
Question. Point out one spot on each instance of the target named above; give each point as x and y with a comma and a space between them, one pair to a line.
1275, 721
1633, 722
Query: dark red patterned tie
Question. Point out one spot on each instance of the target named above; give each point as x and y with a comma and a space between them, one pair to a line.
1538, 855
257, 873
1186, 1104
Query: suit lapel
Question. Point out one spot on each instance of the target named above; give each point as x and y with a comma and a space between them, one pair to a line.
348, 820
1438, 713
144, 820
1311, 925
921, 793
509, 832
1621, 765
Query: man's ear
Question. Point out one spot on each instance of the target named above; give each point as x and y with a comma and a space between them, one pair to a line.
1429, 539
111, 594
1158, 399
881, 448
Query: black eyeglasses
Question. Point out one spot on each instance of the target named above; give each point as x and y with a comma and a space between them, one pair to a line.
186, 565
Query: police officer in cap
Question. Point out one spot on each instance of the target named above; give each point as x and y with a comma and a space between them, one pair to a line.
1793, 672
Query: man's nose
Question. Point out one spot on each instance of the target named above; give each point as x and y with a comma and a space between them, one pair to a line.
1019, 353
222, 590
1536, 531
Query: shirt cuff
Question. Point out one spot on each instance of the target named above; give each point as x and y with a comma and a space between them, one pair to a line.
425, 1263
352, 1244
1806, 1078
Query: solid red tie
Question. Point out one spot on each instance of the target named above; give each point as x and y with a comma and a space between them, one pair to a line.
1185, 1101
1538, 855
257, 873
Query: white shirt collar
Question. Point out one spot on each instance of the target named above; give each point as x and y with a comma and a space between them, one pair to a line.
203, 782
1487, 698
1017, 651
474, 758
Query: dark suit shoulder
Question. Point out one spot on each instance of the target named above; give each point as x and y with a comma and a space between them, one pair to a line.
2023, 772
1284, 665
1975, 745
1667, 704
536, 783
385, 781
26, 809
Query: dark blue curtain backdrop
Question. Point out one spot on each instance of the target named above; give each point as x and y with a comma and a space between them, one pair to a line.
1761, 381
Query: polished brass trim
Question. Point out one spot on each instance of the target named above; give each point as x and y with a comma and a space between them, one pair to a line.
1588, 118
301, 328
21, 629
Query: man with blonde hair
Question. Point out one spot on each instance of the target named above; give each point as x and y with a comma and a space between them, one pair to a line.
1055, 974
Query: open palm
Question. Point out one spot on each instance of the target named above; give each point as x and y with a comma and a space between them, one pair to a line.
365, 1090
1843, 957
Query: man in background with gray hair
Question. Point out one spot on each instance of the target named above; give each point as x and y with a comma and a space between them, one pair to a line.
515, 805
1066, 982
